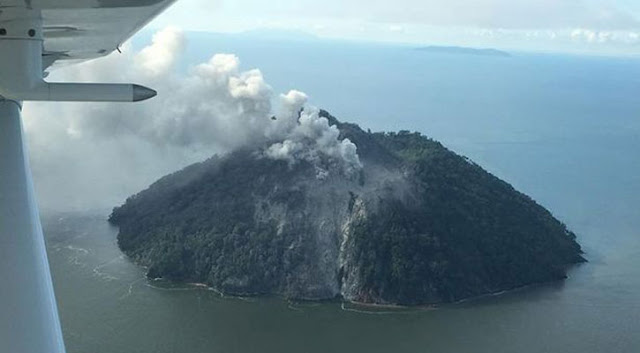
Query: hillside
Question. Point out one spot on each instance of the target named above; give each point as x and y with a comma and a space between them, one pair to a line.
417, 224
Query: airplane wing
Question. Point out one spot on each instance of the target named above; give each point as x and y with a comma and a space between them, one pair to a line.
87, 29
70, 30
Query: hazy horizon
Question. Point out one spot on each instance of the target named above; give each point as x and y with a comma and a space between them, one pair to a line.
582, 26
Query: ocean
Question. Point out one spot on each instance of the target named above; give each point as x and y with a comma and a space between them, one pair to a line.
563, 129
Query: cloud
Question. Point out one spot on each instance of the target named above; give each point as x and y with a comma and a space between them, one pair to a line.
513, 14
517, 14
396, 29
95, 155
605, 37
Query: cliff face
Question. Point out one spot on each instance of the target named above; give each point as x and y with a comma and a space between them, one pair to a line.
417, 224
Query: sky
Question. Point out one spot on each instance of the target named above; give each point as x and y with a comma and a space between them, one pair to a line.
581, 26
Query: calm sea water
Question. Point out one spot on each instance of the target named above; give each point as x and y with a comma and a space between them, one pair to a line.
563, 129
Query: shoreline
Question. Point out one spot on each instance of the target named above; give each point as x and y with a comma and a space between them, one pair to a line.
383, 306
362, 305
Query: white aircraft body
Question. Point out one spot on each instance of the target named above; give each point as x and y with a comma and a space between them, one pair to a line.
35, 35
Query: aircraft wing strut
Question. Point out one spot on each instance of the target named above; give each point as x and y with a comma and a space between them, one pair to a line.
35, 34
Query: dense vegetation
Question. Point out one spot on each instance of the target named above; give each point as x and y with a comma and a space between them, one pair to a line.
420, 225
472, 234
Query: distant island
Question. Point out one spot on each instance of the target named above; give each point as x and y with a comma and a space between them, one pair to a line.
417, 224
278, 35
463, 51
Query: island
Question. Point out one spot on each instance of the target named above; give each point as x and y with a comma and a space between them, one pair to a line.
434, 49
417, 224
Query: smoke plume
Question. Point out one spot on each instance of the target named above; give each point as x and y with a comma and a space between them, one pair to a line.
95, 155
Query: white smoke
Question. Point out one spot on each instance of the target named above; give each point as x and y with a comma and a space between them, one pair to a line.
95, 155
160, 57
312, 139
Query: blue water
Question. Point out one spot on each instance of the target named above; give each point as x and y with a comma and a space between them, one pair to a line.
563, 129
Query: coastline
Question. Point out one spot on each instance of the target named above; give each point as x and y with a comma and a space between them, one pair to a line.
364, 305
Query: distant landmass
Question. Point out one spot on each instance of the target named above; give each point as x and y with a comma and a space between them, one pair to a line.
463, 51
279, 34
418, 224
